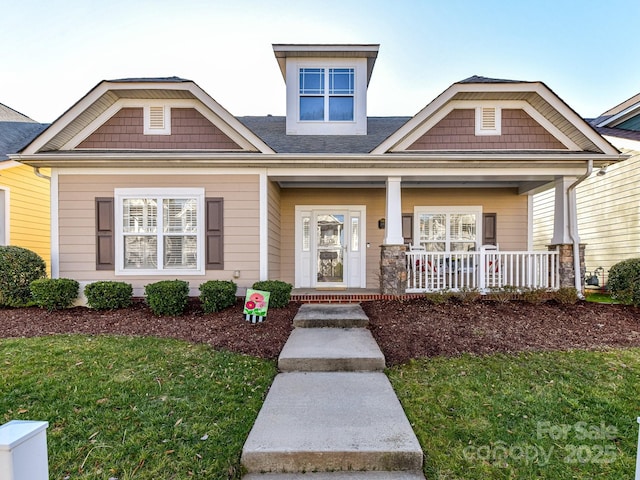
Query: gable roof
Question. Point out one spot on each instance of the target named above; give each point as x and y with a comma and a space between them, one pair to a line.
273, 131
103, 100
623, 120
538, 100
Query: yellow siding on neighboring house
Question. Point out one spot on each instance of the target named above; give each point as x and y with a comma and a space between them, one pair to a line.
76, 206
608, 214
29, 209
510, 207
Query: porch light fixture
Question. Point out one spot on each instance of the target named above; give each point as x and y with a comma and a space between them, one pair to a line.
236, 274
381, 224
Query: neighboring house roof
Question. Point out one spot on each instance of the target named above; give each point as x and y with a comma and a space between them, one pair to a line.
16, 130
621, 121
273, 131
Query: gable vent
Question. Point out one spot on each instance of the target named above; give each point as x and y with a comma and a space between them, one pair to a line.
157, 120
488, 120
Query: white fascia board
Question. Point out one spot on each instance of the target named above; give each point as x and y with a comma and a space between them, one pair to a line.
9, 164
614, 120
472, 104
234, 125
534, 87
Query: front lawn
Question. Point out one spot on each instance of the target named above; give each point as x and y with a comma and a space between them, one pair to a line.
133, 407
561, 415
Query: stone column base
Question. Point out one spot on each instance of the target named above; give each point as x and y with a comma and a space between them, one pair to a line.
393, 270
565, 259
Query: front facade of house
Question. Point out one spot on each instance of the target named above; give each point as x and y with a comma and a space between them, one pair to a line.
609, 200
24, 195
152, 179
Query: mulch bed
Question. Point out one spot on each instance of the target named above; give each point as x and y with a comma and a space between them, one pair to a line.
403, 329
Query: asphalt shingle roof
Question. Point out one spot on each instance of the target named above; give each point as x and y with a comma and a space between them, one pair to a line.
16, 135
272, 130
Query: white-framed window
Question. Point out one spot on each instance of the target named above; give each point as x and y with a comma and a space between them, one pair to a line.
157, 120
326, 94
488, 120
448, 229
159, 231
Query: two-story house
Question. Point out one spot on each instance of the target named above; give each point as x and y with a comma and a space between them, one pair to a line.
153, 179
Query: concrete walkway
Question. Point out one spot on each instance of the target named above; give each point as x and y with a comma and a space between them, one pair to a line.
332, 411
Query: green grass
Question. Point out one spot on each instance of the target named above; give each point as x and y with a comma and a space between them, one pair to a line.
565, 415
599, 297
142, 408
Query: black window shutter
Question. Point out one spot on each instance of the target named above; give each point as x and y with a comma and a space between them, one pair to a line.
490, 229
105, 234
214, 242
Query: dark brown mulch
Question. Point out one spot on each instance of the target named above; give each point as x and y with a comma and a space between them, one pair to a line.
414, 328
226, 330
403, 329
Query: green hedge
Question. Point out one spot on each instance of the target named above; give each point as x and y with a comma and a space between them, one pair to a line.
54, 293
108, 295
280, 292
624, 281
18, 268
216, 295
167, 297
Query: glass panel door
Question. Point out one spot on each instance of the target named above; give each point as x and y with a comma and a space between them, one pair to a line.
330, 248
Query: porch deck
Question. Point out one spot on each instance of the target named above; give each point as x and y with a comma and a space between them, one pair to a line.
348, 295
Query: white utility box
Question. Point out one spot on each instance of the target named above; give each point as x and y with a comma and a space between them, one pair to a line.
23, 450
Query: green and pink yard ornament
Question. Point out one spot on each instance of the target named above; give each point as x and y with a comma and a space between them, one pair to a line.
256, 305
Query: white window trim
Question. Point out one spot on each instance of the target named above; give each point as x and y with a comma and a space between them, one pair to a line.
475, 209
147, 119
5, 217
122, 193
326, 96
480, 129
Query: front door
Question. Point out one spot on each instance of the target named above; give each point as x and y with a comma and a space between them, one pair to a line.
330, 247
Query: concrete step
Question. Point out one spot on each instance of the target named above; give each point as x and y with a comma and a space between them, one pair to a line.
330, 315
331, 350
336, 476
331, 421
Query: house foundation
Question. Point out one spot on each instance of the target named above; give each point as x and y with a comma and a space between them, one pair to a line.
566, 269
393, 270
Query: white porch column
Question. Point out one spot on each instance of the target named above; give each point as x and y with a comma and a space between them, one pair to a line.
393, 222
564, 200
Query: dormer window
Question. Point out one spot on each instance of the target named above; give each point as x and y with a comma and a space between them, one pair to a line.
321, 104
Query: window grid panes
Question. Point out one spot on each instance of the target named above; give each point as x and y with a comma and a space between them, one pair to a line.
452, 232
318, 103
355, 234
306, 234
160, 240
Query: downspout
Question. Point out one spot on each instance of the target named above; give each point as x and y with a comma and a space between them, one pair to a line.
573, 227
36, 171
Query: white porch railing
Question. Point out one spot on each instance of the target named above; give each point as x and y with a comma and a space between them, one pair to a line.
481, 270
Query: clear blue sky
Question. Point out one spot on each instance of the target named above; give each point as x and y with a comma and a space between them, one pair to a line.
54, 51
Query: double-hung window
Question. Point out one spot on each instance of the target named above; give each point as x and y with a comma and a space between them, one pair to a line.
327, 94
449, 229
159, 231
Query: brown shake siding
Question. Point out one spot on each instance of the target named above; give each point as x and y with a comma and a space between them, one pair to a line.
457, 132
190, 130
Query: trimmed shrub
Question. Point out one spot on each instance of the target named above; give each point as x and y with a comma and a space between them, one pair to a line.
438, 298
503, 294
624, 281
466, 295
108, 295
535, 296
566, 295
167, 297
216, 295
54, 293
18, 268
280, 292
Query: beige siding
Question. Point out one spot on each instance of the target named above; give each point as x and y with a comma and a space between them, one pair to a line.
77, 194
274, 227
608, 214
29, 209
510, 207
543, 205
